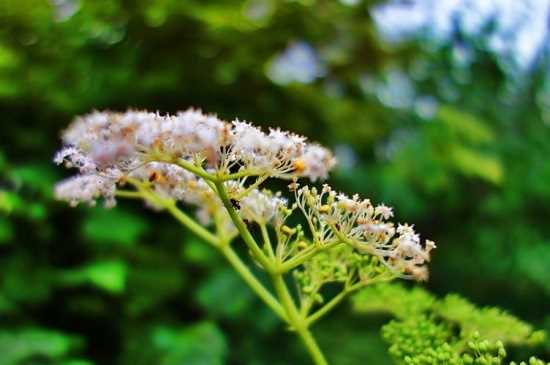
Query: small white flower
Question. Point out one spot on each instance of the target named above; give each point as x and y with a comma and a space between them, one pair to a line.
317, 162
262, 207
383, 211
86, 189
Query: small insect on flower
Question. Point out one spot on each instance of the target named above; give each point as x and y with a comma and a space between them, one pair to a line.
235, 203
155, 176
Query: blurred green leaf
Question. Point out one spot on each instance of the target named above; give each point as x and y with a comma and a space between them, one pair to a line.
10, 202
533, 262
77, 362
394, 299
198, 253
36, 176
114, 226
465, 126
473, 163
107, 275
6, 231
151, 283
19, 346
200, 344
224, 294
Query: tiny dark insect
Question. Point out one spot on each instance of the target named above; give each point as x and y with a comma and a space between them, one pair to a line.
235, 204
154, 176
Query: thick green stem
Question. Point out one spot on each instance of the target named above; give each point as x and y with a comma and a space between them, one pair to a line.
232, 257
252, 282
297, 322
129, 194
243, 230
191, 224
206, 235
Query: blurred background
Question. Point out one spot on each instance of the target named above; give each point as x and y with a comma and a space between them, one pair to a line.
440, 108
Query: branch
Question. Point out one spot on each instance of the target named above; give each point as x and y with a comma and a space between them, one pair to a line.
200, 231
253, 283
267, 241
342, 295
241, 227
327, 307
183, 218
305, 255
249, 188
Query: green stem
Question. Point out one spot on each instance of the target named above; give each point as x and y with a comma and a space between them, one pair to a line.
243, 230
237, 175
267, 241
199, 171
252, 282
297, 322
304, 256
191, 224
180, 216
342, 295
232, 257
129, 194
251, 187
225, 249
327, 307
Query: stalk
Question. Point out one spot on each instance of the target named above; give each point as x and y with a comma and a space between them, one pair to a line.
252, 282
297, 321
241, 227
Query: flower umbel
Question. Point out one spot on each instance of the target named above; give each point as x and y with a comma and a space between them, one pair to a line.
217, 168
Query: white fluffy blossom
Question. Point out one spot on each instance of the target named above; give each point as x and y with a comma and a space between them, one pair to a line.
316, 162
357, 222
124, 141
262, 207
86, 189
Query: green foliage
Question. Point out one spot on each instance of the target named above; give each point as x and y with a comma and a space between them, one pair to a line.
114, 226
201, 344
223, 294
446, 331
393, 299
21, 346
492, 324
106, 275
341, 265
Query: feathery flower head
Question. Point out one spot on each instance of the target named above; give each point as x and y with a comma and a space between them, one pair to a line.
126, 140
365, 227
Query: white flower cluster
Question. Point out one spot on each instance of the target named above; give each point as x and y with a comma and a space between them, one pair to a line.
263, 207
86, 188
169, 181
357, 222
123, 141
